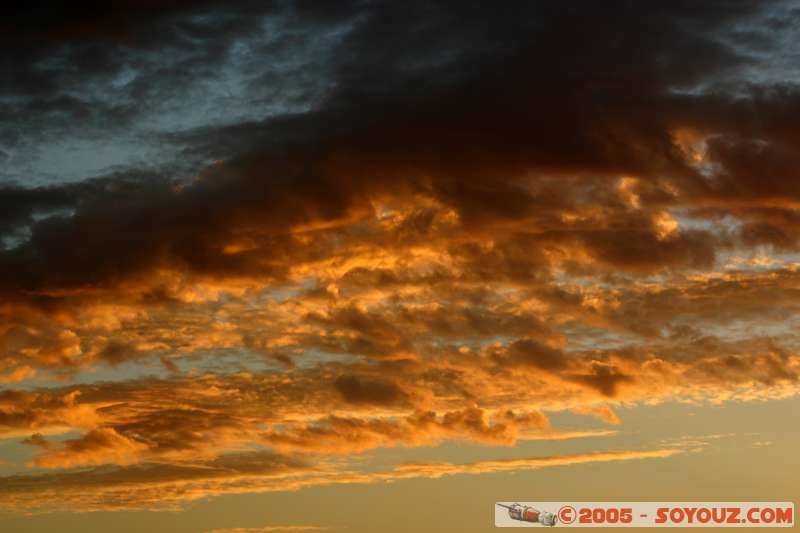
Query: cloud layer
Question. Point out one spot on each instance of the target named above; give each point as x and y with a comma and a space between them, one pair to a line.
287, 230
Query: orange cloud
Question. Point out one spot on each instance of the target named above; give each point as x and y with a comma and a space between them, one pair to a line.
164, 486
435, 470
21, 373
602, 412
99, 446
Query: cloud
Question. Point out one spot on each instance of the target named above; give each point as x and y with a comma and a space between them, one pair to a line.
98, 446
528, 352
358, 391
288, 233
602, 412
340, 435
151, 485
602, 377
20, 373
165, 487
435, 470
320, 184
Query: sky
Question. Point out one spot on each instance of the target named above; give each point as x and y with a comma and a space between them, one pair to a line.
373, 266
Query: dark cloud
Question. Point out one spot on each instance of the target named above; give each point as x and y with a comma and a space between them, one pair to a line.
363, 391
512, 95
532, 353
604, 378
36, 440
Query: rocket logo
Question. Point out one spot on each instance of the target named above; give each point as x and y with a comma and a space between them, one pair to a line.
530, 514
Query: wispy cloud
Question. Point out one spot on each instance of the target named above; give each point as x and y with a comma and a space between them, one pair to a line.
165, 486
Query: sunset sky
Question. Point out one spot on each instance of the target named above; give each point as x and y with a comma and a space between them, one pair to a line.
372, 266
